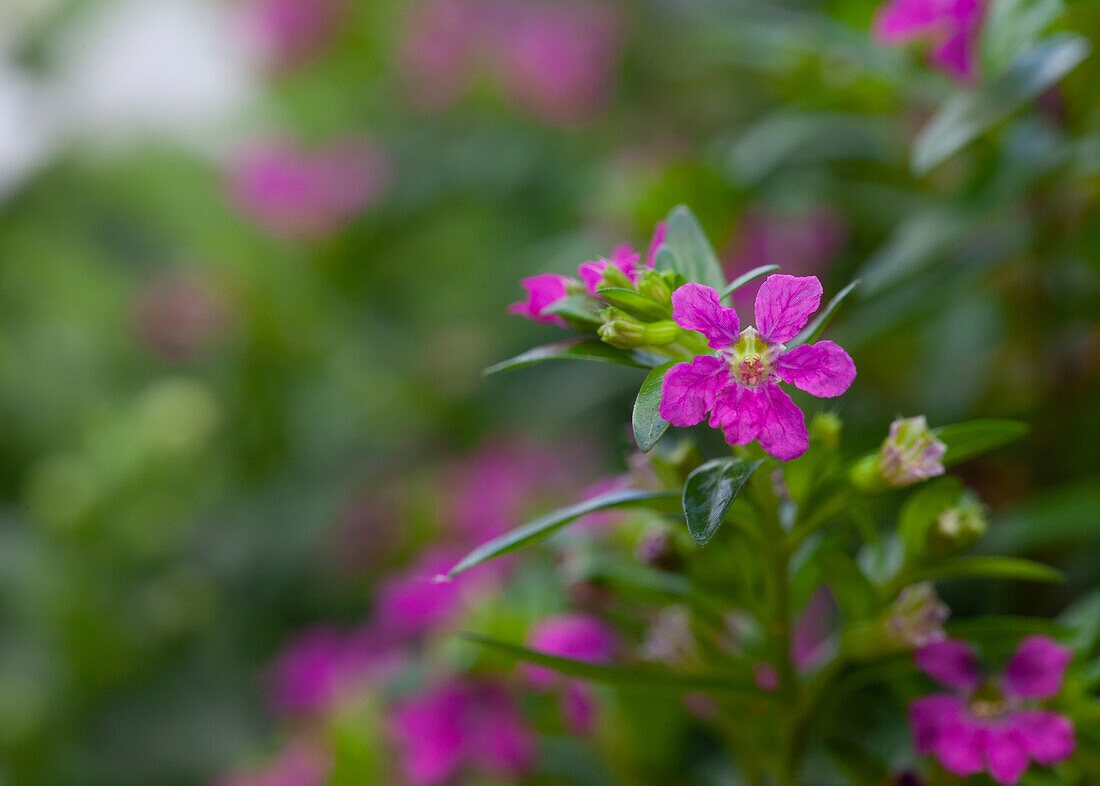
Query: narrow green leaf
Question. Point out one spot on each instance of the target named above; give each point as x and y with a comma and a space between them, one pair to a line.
623, 676
817, 327
1012, 26
633, 302
547, 525
709, 492
974, 437
987, 568
990, 627
741, 280
692, 254
577, 349
969, 114
581, 312
664, 261
648, 424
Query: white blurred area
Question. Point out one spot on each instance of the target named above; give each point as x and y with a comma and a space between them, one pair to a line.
112, 73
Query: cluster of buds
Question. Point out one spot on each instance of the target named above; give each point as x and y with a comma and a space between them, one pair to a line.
909, 454
639, 314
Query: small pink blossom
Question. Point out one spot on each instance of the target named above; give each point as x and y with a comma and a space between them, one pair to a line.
623, 257
290, 32
543, 291
766, 677
951, 26
578, 637
461, 726
292, 191
439, 50
813, 637
993, 725
738, 385
307, 673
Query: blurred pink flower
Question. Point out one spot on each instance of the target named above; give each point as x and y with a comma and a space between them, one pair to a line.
306, 674
578, 637
543, 290
459, 726
988, 725
813, 637
299, 764
557, 60
289, 32
803, 244
951, 26
291, 191
175, 316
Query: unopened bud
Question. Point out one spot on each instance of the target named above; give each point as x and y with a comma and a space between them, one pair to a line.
656, 548
613, 277
959, 527
916, 617
654, 286
911, 453
621, 330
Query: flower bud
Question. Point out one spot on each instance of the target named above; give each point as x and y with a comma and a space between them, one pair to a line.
911, 453
916, 617
654, 286
959, 527
656, 548
613, 277
621, 330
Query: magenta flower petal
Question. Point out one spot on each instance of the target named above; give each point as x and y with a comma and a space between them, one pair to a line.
659, 233
950, 662
689, 390
1037, 669
1048, 736
1005, 753
696, 307
954, 55
579, 707
739, 412
929, 715
591, 273
900, 21
822, 369
306, 675
961, 747
576, 636
783, 427
428, 728
543, 291
502, 742
626, 259
784, 305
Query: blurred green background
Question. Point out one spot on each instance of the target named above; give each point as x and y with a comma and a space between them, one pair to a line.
250, 272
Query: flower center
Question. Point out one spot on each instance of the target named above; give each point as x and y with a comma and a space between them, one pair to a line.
751, 360
988, 704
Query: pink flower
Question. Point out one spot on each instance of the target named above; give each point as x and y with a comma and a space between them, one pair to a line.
438, 53
951, 26
993, 725
813, 637
296, 192
624, 258
290, 32
457, 726
415, 601
306, 675
298, 765
557, 61
738, 385
543, 291
766, 677
579, 637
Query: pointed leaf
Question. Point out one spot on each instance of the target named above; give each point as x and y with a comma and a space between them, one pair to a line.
547, 525
974, 437
741, 280
581, 312
577, 349
817, 327
987, 568
624, 676
648, 424
635, 303
709, 492
969, 114
692, 254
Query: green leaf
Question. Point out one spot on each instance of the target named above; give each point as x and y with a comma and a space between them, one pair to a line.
741, 280
974, 437
969, 114
635, 303
709, 492
987, 568
664, 261
621, 676
648, 424
547, 525
817, 327
577, 349
991, 627
1012, 26
581, 312
692, 254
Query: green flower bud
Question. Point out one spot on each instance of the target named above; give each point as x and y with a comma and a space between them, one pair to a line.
655, 286
909, 454
613, 277
621, 330
959, 527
